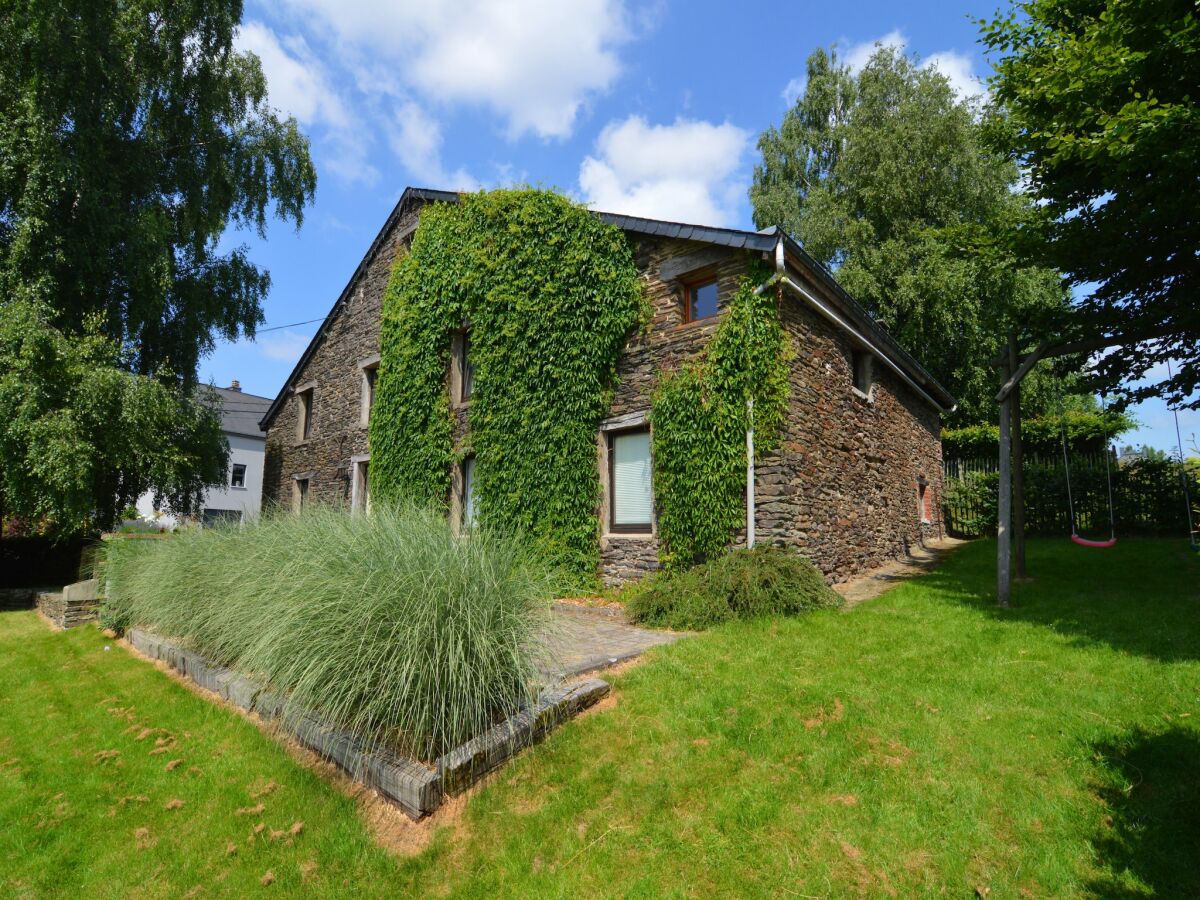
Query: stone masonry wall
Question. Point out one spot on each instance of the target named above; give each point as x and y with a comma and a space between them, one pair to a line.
337, 432
843, 487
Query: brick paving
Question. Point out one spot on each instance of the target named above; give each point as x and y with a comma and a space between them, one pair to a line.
584, 639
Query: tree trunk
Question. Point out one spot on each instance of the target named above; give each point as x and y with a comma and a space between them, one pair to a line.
1018, 465
1003, 525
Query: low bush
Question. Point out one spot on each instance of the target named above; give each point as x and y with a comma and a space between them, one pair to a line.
742, 584
388, 625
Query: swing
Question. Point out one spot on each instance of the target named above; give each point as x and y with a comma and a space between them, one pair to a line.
1112, 533
1183, 477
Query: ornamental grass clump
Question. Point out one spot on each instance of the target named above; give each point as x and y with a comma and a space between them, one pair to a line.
741, 584
387, 625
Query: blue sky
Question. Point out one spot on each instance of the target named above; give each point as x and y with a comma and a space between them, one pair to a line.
651, 109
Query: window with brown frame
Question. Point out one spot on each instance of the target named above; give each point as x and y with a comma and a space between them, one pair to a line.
630, 483
700, 296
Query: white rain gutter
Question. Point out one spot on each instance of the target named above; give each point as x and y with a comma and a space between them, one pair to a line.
781, 277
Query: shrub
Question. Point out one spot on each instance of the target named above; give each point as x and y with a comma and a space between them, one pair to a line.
388, 625
741, 584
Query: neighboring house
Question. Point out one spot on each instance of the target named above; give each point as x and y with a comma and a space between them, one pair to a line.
856, 480
240, 498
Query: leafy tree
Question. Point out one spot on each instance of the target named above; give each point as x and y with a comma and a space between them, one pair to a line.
131, 136
82, 437
1101, 103
887, 177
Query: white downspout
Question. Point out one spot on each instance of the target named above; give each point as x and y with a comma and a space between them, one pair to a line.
750, 502
750, 473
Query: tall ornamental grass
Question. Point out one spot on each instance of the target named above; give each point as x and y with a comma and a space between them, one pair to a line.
388, 625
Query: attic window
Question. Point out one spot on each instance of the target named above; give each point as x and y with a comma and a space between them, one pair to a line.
304, 425
370, 374
860, 364
700, 297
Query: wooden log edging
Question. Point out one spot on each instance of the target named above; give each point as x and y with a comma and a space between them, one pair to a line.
418, 789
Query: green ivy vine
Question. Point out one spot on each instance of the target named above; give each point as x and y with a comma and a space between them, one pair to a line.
699, 418
550, 294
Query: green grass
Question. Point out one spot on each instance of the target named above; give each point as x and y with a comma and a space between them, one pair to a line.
389, 625
922, 743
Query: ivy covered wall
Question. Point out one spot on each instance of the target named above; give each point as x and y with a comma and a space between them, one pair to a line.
550, 294
699, 419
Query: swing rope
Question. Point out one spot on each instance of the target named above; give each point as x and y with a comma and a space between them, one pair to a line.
1112, 525
1187, 494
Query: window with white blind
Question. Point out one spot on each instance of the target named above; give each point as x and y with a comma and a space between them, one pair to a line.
631, 494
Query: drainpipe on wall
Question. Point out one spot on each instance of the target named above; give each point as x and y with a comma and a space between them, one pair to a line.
750, 473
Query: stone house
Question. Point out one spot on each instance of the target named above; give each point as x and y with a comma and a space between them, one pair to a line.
857, 478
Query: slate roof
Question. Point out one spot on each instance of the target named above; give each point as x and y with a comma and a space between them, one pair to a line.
760, 241
241, 412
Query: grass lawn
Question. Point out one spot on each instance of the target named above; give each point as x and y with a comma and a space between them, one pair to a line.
922, 743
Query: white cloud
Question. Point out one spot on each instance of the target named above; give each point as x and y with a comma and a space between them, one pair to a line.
957, 68
686, 172
296, 81
793, 89
534, 62
416, 138
298, 85
286, 346
858, 55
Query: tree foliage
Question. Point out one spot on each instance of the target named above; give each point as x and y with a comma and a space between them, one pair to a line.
132, 135
1085, 432
550, 295
82, 438
887, 177
1101, 104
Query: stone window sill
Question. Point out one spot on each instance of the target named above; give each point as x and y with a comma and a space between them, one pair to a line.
629, 535
866, 398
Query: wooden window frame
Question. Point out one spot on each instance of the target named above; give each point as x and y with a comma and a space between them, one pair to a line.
698, 279
233, 467
628, 528
360, 484
301, 486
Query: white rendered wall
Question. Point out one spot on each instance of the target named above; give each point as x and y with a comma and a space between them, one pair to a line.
248, 451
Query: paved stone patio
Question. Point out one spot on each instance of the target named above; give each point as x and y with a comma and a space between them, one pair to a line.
586, 639
920, 560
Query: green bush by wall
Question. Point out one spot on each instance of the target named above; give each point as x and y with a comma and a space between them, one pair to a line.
550, 294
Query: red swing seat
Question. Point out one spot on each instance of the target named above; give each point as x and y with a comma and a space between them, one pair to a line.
1101, 545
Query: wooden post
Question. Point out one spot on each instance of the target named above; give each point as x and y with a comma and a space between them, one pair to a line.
1018, 464
1004, 519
